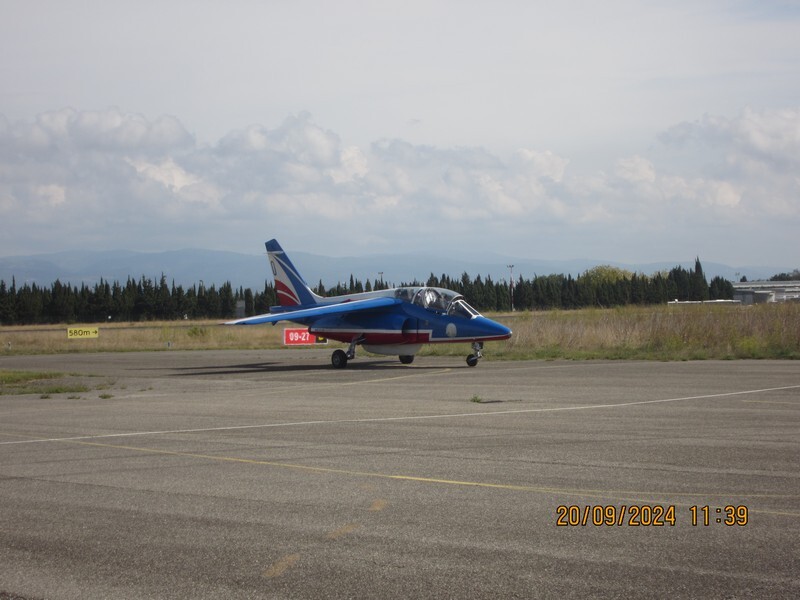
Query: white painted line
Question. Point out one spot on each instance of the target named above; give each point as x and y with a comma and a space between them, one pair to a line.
406, 418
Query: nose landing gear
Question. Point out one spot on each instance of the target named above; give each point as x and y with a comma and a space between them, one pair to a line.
472, 359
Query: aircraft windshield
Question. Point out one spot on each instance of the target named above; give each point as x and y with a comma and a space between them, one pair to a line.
438, 300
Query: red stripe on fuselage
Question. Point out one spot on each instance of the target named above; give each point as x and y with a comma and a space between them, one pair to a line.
386, 338
376, 338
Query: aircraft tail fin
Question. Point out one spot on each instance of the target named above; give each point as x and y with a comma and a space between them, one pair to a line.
291, 288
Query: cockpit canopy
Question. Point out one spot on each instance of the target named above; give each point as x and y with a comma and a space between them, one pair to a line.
437, 300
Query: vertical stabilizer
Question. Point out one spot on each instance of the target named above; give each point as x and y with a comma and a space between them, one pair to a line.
291, 288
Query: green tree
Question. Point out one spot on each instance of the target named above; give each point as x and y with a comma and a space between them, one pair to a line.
679, 284
163, 302
720, 289
227, 302
249, 305
698, 286
61, 307
8, 310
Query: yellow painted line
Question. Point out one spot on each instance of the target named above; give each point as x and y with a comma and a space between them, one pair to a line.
342, 531
378, 505
626, 495
277, 569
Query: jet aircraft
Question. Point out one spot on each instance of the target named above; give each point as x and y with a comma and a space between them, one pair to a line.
396, 321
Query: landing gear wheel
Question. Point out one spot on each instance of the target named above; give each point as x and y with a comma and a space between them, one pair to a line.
339, 359
473, 359
406, 359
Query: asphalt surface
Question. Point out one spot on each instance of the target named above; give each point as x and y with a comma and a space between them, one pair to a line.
267, 474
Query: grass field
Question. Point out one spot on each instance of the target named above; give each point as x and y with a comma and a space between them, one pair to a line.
674, 332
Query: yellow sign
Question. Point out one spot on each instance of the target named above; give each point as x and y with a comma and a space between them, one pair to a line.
82, 333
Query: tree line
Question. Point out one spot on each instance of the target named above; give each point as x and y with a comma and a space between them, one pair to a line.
602, 286
145, 299
135, 300
793, 276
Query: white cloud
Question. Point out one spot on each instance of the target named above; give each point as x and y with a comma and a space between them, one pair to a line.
52, 195
754, 156
352, 166
694, 194
106, 131
636, 170
167, 172
543, 164
770, 136
146, 184
724, 194
297, 140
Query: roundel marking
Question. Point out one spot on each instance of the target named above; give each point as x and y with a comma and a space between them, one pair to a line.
451, 330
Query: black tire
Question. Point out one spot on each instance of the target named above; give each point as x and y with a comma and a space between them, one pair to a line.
406, 359
472, 360
339, 359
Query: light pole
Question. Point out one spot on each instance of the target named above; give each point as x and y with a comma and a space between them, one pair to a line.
511, 285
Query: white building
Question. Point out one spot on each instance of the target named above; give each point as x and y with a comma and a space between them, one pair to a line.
756, 292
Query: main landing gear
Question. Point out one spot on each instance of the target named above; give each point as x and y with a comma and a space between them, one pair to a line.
339, 358
472, 359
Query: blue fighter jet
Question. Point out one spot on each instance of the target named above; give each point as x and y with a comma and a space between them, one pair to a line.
394, 322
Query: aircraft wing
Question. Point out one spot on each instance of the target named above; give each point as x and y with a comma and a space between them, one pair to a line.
319, 311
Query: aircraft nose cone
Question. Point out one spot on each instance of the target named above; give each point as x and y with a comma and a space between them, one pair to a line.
494, 330
503, 330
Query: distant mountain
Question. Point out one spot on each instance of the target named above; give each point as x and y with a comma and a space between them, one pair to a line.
190, 266
185, 267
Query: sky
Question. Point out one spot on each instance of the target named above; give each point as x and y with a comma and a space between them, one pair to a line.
622, 131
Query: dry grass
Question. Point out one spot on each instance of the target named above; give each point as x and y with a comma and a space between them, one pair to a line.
127, 337
685, 332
